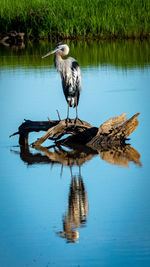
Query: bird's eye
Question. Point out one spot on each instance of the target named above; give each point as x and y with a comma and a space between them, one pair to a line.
62, 49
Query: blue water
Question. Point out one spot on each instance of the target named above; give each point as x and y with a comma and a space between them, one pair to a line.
34, 198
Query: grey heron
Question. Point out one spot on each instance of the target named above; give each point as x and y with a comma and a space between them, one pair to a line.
70, 75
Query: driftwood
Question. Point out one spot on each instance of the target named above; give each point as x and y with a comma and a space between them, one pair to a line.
13, 39
85, 140
114, 130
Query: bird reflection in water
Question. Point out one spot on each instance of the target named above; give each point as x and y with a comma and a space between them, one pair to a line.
76, 215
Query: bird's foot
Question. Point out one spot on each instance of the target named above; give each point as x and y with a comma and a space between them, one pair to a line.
75, 121
68, 120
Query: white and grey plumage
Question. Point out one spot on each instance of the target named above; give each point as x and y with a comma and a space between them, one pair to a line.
70, 75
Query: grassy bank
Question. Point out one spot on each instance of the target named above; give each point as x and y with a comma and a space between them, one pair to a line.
59, 19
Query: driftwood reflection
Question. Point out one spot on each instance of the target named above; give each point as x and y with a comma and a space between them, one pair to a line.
76, 215
78, 155
14, 40
70, 155
120, 155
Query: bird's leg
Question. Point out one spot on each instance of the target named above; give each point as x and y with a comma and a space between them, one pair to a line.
76, 111
68, 112
67, 120
75, 121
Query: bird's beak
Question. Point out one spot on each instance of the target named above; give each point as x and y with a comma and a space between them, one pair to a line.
51, 52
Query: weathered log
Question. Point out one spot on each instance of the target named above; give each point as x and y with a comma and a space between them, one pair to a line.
63, 128
32, 126
112, 132
84, 140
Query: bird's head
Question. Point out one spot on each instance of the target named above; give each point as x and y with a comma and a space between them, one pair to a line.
61, 48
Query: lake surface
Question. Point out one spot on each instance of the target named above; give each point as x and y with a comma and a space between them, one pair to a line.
97, 214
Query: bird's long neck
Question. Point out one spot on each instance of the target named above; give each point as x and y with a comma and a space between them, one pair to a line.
58, 61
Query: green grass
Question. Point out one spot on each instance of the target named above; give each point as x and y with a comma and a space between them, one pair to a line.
59, 19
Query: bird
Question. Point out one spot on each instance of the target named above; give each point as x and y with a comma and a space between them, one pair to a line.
70, 76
